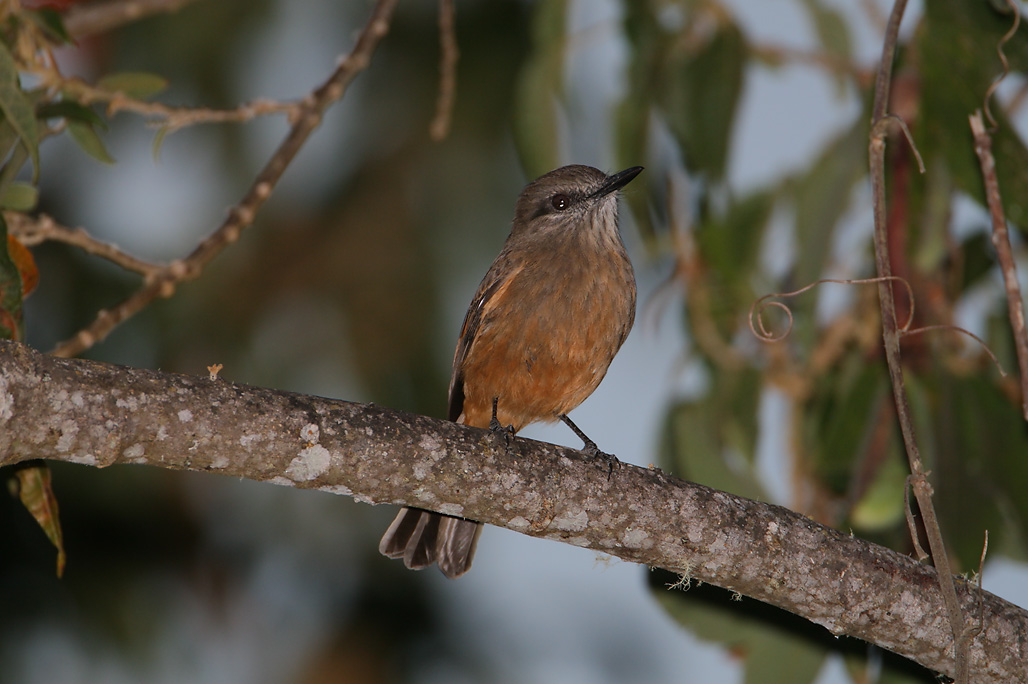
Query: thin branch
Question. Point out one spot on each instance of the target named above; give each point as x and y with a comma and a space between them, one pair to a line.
1001, 241
762, 333
36, 230
101, 414
240, 217
171, 118
85, 19
922, 555
835, 64
890, 334
440, 126
1011, 32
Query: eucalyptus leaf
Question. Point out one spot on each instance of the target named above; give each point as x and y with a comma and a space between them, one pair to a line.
956, 55
821, 197
50, 21
19, 197
539, 90
713, 440
832, 33
88, 139
135, 84
17, 108
772, 645
701, 97
71, 111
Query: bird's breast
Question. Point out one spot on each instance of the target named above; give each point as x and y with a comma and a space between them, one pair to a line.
547, 342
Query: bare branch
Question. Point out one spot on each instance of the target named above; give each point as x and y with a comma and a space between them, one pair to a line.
1001, 241
440, 126
157, 113
240, 217
890, 335
85, 19
36, 230
100, 414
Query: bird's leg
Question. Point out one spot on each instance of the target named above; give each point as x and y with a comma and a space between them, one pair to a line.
496, 426
589, 446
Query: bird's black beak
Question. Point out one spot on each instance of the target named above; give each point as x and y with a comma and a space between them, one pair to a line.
616, 181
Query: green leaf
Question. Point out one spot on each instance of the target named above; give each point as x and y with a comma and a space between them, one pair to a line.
8, 139
774, 646
18, 156
881, 507
730, 247
19, 197
10, 291
136, 84
17, 108
842, 416
713, 440
821, 196
955, 51
158, 142
978, 442
71, 111
49, 20
832, 34
37, 495
979, 259
89, 141
701, 97
539, 90
632, 115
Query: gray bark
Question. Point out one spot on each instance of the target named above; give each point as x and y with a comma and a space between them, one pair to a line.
101, 414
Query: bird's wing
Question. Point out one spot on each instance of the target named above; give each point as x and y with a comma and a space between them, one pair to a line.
490, 293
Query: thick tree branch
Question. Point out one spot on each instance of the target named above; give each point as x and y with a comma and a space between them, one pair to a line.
100, 414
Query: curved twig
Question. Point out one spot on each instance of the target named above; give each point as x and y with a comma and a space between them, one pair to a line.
1011, 32
757, 308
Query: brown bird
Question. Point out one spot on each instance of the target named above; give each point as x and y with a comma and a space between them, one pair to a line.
547, 320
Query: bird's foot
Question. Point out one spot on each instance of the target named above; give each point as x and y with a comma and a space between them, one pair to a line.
496, 426
589, 447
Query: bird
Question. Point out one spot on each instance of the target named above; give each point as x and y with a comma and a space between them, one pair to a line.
544, 325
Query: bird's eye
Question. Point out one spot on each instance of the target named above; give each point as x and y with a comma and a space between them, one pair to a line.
560, 202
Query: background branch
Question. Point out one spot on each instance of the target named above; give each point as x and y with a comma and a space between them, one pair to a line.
86, 19
440, 126
1004, 252
101, 414
159, 114
890, 336
34, 230
240, 217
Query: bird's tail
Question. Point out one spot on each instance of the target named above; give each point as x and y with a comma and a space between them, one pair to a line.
422, 538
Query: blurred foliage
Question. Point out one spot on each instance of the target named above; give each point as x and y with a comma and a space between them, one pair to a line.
339, 289
776, 646
846, 466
